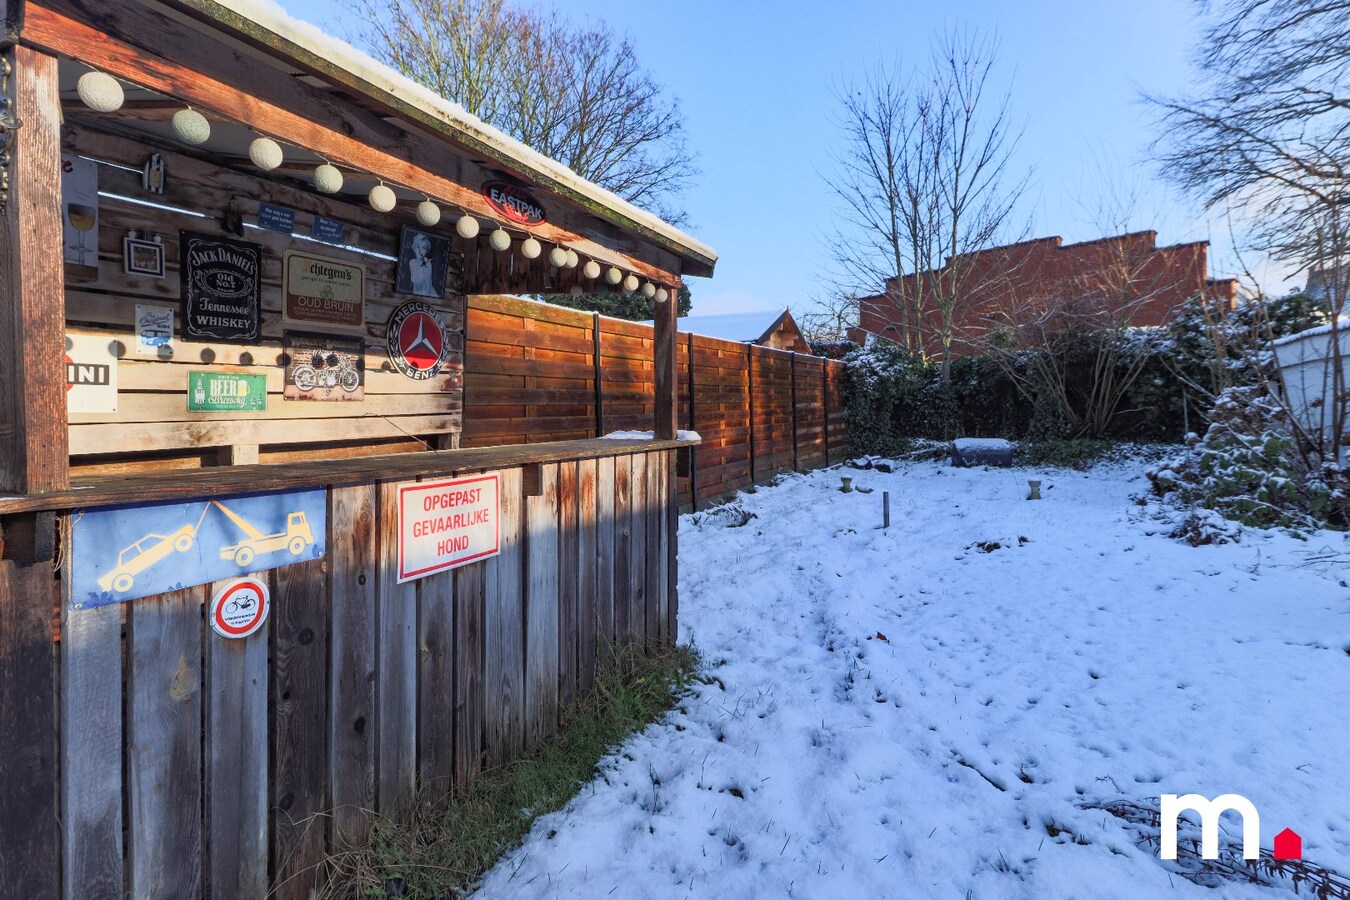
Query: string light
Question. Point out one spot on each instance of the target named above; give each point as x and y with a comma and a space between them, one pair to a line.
467, 227
428, 213
530, 248
575, 290
100, 92
557, 257
265, 153
327, 179
191, 126
613, 275
662, 295
500, 239
648, 289
572, 258
382, 198
591, 269
630, 283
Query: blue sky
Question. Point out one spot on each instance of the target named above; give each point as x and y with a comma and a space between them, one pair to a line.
754, 80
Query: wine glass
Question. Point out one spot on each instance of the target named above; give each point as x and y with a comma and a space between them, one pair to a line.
83, 218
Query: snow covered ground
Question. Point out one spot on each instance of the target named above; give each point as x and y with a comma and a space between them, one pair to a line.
902, 713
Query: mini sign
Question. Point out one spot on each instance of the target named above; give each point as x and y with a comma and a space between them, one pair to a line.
514, 203
226, 392
154, 330
446, 524
91, 374
221, 288
324, 366
276, 218
320, 291
327, 230
125, 552
240, 607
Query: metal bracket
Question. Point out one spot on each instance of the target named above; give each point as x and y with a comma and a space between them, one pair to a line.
9, 122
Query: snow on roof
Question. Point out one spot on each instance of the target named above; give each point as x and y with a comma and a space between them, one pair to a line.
269, 15
1341, 325
742, 327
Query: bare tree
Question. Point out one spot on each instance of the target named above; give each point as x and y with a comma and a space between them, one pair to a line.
577, 94
1268, 138
923, 179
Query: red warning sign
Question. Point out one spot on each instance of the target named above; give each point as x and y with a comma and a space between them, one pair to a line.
240, 607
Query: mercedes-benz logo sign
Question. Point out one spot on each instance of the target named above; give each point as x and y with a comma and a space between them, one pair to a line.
417, 339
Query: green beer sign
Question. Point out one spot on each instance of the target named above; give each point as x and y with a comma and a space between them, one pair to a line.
226, 392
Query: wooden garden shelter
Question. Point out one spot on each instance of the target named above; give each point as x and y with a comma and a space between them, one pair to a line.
141, 753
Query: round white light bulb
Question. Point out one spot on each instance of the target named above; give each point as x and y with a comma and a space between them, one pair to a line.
500, 239
100, 92
327, 179
557, 257
530, 248
191, 127
630, 283
648, 289
572, 258
613, 275
382, 198
265, 153
575, 290
467, 227
662, 295
591, 269
428, 213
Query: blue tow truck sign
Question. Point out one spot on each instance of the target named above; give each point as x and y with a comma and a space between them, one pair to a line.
126, 552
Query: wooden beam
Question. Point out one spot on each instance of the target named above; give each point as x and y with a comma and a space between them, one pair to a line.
275, 104
33, 431
666, 373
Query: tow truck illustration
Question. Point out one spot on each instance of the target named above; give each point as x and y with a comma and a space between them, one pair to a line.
154, 548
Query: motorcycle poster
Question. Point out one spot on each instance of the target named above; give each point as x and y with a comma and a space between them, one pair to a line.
324, 366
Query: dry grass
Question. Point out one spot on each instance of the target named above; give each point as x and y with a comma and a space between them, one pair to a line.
446, 845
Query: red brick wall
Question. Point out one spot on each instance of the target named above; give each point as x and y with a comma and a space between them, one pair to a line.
1045, 283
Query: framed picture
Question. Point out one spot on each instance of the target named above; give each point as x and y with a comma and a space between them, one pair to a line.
423, 261
141, 257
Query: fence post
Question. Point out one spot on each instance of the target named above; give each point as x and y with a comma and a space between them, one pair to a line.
825, 406
750, 393
796, 467
693, 451
595, 374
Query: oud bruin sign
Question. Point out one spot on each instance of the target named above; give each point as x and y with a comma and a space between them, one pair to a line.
221, 288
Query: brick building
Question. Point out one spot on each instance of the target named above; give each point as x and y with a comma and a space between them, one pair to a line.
1124, 277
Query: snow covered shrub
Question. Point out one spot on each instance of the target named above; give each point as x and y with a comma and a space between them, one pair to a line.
1249, 467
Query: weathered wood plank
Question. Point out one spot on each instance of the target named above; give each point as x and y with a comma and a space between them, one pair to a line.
541, 608
504, 634
396, 679
637, 560
588, 572
32, 339
236, 763
351, 742
91, 736
468, 664
299, 727
164, 750
568, 574
671, 536
436, 687
623, 548
657, 491
605, 550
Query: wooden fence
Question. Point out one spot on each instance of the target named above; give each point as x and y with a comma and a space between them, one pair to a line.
535, 373
189, 766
